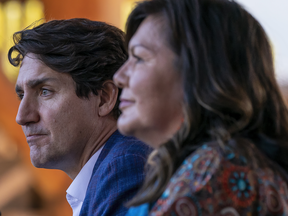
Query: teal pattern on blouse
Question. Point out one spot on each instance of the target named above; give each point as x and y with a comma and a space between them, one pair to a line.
213, 181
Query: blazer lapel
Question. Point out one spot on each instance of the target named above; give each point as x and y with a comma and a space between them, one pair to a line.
106, 149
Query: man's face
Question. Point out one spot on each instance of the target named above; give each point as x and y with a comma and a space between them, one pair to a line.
57, 124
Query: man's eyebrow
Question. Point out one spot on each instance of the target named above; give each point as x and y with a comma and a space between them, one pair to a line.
34, 83
18, 89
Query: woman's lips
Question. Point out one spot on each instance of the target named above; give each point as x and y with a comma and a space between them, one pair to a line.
125, 103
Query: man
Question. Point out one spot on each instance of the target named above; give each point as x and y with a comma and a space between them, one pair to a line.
69, 110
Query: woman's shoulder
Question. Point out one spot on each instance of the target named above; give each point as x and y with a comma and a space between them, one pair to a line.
197, 169
218, 182
191, 177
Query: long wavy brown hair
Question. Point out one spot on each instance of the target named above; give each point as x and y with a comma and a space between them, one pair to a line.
225, 59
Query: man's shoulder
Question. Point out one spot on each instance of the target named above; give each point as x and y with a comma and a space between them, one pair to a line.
117, 175
125, 145
130, 145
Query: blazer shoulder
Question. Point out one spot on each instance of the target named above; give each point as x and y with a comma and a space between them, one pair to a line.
123, 145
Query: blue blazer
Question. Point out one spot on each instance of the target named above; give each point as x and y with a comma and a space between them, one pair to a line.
116, 177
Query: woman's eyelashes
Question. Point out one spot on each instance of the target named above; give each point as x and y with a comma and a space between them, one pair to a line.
137, 58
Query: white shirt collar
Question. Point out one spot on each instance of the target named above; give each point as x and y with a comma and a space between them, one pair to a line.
77, 190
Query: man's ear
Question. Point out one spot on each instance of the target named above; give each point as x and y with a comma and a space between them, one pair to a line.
108, 96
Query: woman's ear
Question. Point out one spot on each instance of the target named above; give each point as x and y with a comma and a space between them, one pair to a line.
108, 97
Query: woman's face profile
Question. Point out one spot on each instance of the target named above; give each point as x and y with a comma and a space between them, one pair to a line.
152, 95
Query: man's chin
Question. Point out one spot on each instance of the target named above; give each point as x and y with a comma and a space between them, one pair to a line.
38, 158
38, 164
41, 163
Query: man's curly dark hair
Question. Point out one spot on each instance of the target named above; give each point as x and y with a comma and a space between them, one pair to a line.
90, 51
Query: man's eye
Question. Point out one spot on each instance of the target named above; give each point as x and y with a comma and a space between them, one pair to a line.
45, 92
20, 96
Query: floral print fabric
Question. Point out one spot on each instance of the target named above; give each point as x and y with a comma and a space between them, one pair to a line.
211, 182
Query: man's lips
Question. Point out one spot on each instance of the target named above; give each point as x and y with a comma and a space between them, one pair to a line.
125, 103
32, 137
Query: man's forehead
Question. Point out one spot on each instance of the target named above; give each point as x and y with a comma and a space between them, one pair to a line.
31, 75
32, 68
31, 60
34, 72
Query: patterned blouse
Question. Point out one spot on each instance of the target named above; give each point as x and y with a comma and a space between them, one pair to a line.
222, 183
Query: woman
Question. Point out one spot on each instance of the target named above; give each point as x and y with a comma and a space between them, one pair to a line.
199, 87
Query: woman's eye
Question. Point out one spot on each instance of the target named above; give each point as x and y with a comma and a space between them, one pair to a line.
138, 59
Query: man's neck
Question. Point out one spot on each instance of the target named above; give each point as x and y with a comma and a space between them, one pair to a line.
95, 142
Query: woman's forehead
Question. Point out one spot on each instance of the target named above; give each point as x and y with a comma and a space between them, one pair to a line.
151, 32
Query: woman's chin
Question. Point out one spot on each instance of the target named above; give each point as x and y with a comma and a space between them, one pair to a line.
124, 127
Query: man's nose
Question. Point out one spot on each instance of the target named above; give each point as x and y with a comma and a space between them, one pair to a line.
27, 112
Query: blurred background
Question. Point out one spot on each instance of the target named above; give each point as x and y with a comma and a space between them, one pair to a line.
27, 191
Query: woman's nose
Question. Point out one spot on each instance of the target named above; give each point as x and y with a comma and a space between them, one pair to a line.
120, 77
